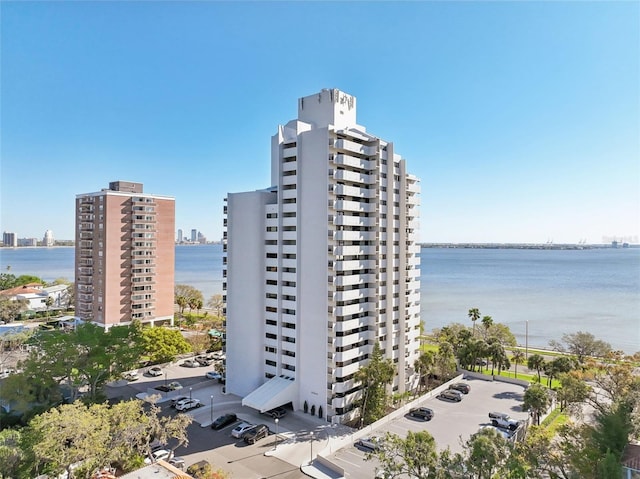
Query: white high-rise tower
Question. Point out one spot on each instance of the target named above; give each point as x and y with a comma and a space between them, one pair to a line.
322, 265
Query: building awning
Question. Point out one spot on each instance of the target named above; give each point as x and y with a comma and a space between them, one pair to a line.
274, 393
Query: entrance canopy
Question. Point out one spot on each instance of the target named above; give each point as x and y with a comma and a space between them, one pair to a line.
274, 393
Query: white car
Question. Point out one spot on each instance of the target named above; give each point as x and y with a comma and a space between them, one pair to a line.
131, 376
157, 455
187, 404
191, 363
213, 375
241, 428
373, 442
154, 371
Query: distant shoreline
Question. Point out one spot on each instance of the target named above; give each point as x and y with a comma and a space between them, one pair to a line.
549, 246
539, 246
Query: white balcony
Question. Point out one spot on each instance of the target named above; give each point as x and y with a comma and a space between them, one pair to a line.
350, 190
354, 279
352, 146
354, 162
354, 265
354, 206
354, 235
289, 152
354, 177
348, 220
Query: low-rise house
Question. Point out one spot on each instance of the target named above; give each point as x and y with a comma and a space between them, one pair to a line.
36, 295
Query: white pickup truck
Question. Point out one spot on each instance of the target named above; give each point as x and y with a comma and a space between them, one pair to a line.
503, 420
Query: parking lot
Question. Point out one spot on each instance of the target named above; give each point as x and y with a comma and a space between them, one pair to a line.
453, 422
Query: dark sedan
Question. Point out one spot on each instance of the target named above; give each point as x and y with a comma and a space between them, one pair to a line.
223, 421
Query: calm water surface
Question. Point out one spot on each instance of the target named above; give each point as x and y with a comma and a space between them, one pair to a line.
555, 291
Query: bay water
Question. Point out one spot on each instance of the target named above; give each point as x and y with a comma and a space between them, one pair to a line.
545, 292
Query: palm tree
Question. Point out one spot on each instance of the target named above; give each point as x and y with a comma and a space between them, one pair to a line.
495, 351
518, 357
487, 322
474, 315
423, 366
536, 362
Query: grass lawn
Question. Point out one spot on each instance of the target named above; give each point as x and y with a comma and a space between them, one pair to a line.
532, 378
554, 420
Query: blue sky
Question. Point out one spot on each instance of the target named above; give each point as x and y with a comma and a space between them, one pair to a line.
522, 119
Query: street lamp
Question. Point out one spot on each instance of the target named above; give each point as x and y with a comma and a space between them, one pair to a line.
311, 458
276, 438
212, 408
190, 393
165, 378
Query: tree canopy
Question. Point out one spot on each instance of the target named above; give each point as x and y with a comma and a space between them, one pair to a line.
162, 345
82, 438
374, 377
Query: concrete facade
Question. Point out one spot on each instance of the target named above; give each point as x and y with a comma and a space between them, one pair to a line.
125, 255
324, 263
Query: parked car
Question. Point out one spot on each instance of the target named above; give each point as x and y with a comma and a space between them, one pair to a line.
154, 371
256, 433
372, 442
190, 363
499, 419
204, 360
423, 413
187, 404
157, 455
241, 428
464, 388
177, 462
276, 413
174, 385
213, 375
131, 376
175, 400
450, 395
223, 421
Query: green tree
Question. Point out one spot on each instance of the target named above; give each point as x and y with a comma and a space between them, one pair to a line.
48, 303
415, 456
10, 453
88, 355
518, 357
536, 400
10, 309
185, 295
536, 362
77, 438
424, 366
373, 378
7, 281
216, 303
27, 279
487, 322
163, 345
486, 454
474, 315
574, 390
583, 344
445, 361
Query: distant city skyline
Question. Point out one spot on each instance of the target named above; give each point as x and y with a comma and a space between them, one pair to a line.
522, 119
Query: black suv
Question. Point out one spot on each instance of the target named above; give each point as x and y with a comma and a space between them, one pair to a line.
462, 387
256, 433
422, 412
223, 421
